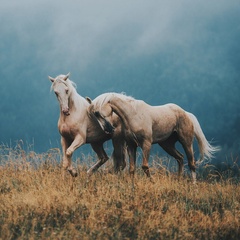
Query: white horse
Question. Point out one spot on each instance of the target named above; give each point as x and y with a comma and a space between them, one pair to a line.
145, 125
78, 127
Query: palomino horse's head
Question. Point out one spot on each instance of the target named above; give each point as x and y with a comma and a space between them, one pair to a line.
104, 114
62, 90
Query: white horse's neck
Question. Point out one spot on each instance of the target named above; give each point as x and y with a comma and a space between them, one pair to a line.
74, 100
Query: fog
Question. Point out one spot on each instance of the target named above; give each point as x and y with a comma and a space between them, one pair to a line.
185, 52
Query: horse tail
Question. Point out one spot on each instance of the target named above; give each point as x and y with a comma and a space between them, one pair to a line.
205, 148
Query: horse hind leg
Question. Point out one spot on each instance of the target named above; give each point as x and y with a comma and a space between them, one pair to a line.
187, 144
102, 158
169, 147
191, 161
186, 137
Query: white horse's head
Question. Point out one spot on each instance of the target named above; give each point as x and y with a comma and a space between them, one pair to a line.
102, 110
62, 88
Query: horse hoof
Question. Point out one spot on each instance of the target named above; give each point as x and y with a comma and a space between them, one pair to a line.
73, 172
69, 152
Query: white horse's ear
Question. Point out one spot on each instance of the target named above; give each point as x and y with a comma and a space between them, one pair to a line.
51, 79
89, 99
66, 77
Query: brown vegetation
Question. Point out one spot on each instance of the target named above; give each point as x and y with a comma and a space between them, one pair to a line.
36, 203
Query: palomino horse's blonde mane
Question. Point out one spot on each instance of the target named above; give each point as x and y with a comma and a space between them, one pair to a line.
107, 97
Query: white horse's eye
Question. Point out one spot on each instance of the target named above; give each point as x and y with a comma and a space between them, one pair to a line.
66, 91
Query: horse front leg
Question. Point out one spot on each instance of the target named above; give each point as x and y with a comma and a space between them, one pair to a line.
119, 147
66, 159
146, 147
132, 150
77, 142
102, 157
132, 159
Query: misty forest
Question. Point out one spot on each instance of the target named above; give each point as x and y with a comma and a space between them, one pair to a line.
182, 52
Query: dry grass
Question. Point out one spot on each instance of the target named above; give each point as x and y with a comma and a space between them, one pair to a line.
36, 203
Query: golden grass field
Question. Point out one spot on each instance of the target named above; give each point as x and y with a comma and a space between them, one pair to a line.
38, 202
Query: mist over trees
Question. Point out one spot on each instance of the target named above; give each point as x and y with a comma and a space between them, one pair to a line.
157, 51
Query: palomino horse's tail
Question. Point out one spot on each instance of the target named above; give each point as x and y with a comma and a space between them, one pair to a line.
205, 148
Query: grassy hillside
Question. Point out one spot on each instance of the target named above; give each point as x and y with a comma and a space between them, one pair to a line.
37, 201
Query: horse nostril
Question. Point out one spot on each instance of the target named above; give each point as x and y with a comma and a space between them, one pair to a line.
66, 111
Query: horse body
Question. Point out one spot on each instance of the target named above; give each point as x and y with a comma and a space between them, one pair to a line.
156, 121
145, 125
77, 127
153, 123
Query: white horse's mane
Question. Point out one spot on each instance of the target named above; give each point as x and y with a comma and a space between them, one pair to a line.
106, 97
59, 79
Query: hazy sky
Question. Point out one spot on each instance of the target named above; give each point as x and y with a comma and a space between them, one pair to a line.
74, 33
117, 46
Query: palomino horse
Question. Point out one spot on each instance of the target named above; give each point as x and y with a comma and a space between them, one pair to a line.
145, 125
78, 127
